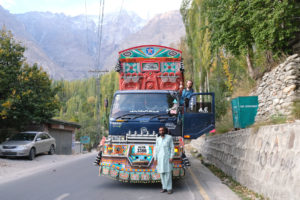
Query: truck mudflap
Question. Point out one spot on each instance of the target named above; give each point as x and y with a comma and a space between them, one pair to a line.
137, 175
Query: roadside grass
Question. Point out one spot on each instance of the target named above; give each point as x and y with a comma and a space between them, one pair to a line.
225, 124
296, 110
278, 119
243, 192
274, 119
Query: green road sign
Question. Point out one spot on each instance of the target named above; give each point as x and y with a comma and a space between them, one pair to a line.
85, 139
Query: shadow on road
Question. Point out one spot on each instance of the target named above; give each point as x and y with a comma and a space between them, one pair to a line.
178, 185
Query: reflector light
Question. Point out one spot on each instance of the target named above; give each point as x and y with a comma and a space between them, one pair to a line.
187, 136
212, 131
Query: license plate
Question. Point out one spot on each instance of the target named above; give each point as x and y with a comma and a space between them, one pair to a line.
142, 149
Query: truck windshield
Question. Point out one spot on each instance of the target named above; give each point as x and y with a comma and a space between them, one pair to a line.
142, 104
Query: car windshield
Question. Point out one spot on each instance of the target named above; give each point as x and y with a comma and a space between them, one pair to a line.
142, 104
23, 137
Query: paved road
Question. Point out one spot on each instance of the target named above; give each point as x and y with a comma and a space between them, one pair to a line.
79, 180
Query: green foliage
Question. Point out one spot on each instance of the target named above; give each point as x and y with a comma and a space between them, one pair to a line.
26, 94
229, 25
296, 109
274, 23
11, 60
83, 102
278, 119
231, 43
238, 25
198, 43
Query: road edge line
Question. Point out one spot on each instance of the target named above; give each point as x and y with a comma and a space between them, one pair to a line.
200, 188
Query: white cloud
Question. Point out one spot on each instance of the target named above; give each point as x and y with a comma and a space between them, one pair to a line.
7, 3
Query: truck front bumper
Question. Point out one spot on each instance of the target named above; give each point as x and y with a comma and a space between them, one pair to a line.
137, 175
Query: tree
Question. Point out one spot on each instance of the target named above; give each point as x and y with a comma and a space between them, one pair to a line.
230, 28
27, 95
274, 23
11, 60
238, 26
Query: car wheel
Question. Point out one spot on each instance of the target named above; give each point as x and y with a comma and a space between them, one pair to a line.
31, 155
52, 150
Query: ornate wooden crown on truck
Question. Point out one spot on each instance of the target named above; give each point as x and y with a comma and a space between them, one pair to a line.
150, 68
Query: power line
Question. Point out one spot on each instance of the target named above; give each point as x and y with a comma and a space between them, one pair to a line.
100, 29
87, 30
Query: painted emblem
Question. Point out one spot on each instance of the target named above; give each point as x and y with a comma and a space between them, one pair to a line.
170, 125
172, 53
127, 54
150, 51
144, 130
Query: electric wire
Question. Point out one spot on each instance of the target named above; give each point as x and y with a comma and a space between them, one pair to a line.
87, 30
100, 30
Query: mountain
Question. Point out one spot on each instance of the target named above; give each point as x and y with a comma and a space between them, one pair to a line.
68, 47
33, 53
164, 29
72, 42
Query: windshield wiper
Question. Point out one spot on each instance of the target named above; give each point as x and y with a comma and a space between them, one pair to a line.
124, 116
142, 115
159, 116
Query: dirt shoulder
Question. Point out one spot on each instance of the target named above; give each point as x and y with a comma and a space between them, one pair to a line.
15, 168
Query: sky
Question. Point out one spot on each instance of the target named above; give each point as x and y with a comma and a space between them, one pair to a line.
144, 8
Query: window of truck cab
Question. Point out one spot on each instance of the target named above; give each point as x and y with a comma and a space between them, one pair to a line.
141, 103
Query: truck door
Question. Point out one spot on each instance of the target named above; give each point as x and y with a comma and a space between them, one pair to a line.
199, 115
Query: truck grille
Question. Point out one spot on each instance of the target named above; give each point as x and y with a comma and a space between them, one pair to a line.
141, 138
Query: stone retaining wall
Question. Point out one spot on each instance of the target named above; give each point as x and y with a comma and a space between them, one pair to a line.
278, 89
266, 160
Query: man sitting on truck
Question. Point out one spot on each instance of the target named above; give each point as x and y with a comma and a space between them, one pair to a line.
163, 157
186, 93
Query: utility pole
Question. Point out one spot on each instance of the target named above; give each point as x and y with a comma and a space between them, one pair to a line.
98, 103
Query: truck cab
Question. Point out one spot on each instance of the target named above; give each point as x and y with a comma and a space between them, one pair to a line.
148, 98
144, 111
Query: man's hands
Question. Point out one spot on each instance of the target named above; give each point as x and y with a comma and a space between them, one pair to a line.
155, 161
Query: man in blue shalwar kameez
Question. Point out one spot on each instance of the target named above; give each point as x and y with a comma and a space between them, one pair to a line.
186, 93
163, 157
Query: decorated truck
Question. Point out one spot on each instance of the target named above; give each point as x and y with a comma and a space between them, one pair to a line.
148, 98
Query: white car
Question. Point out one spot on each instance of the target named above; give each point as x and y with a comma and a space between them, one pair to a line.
29, 144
